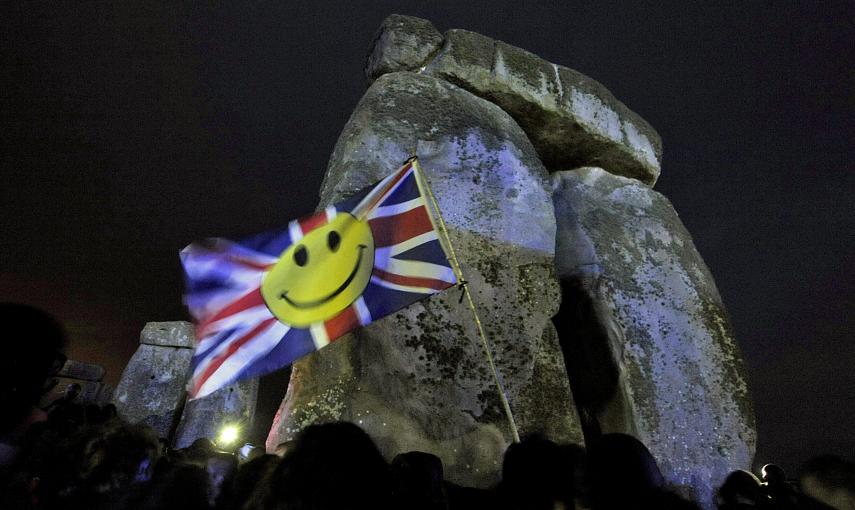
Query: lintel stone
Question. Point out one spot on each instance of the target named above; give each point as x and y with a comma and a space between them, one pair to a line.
168, 334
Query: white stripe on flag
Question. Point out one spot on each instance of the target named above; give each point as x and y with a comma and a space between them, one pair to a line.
232, 248
252, 315
319, 334
331, 213
372, 197
362, 311
402, 288
259, 346
397, 185
295, 231
202, 365
203, 305
391, 210
382, 254
419, 269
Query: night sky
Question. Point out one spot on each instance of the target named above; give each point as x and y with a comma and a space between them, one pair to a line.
129, 131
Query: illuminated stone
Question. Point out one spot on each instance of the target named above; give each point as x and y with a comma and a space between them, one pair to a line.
422, 372
402, 43
650, 346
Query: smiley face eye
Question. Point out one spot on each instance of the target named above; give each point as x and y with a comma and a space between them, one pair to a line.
333, 240
301, 256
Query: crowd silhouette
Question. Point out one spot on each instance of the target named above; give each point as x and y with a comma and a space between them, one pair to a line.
73, 456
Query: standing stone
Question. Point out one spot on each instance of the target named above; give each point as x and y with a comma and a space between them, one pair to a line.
641, 304
151, 389
419, 380
233, 405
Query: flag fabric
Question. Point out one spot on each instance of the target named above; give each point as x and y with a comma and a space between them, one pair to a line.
261, 303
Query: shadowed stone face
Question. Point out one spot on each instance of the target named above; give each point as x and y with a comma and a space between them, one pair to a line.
419, 379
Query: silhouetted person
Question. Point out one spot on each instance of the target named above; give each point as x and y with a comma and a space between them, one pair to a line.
830, 480
741, 490
32, 353
180, 486
535, 476
332, 466
237, 490
418, 479
620, 473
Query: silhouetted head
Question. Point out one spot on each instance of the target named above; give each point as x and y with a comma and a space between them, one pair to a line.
32, 352
284, 447
620, 471
773, 474
742, 488
253, 474
334, 465
536, 475
418, 479
180, 486
199, 450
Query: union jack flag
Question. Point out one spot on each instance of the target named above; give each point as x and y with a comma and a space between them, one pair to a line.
238, 334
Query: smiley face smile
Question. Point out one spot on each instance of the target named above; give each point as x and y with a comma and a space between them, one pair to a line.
322, 273
336, 292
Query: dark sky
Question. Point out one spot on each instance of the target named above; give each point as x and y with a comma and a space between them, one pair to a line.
130, 130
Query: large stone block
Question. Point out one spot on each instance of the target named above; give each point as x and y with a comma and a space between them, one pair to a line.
419, 380
642, 319
204, 417
571, 119
152, 387
402, 43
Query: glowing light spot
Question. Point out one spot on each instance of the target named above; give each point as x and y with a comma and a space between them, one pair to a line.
228, 435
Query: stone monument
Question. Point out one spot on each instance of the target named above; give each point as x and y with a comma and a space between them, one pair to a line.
545, 180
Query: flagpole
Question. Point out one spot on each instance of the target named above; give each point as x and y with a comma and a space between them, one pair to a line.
455, 266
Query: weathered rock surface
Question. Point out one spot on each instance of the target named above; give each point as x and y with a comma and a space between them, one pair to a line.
233, 405
168, 334
571, 119
647, 309
151, 389
73, 369
402, 43
419, 380
87, 377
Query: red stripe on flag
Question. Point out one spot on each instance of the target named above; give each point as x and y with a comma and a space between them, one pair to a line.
391, 230
261, 266
342, 323
313, 222
222, 357
249, 300
411, 281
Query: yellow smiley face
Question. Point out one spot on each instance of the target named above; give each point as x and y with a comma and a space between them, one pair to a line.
322, 274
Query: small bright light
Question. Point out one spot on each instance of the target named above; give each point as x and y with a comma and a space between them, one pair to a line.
228, 435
